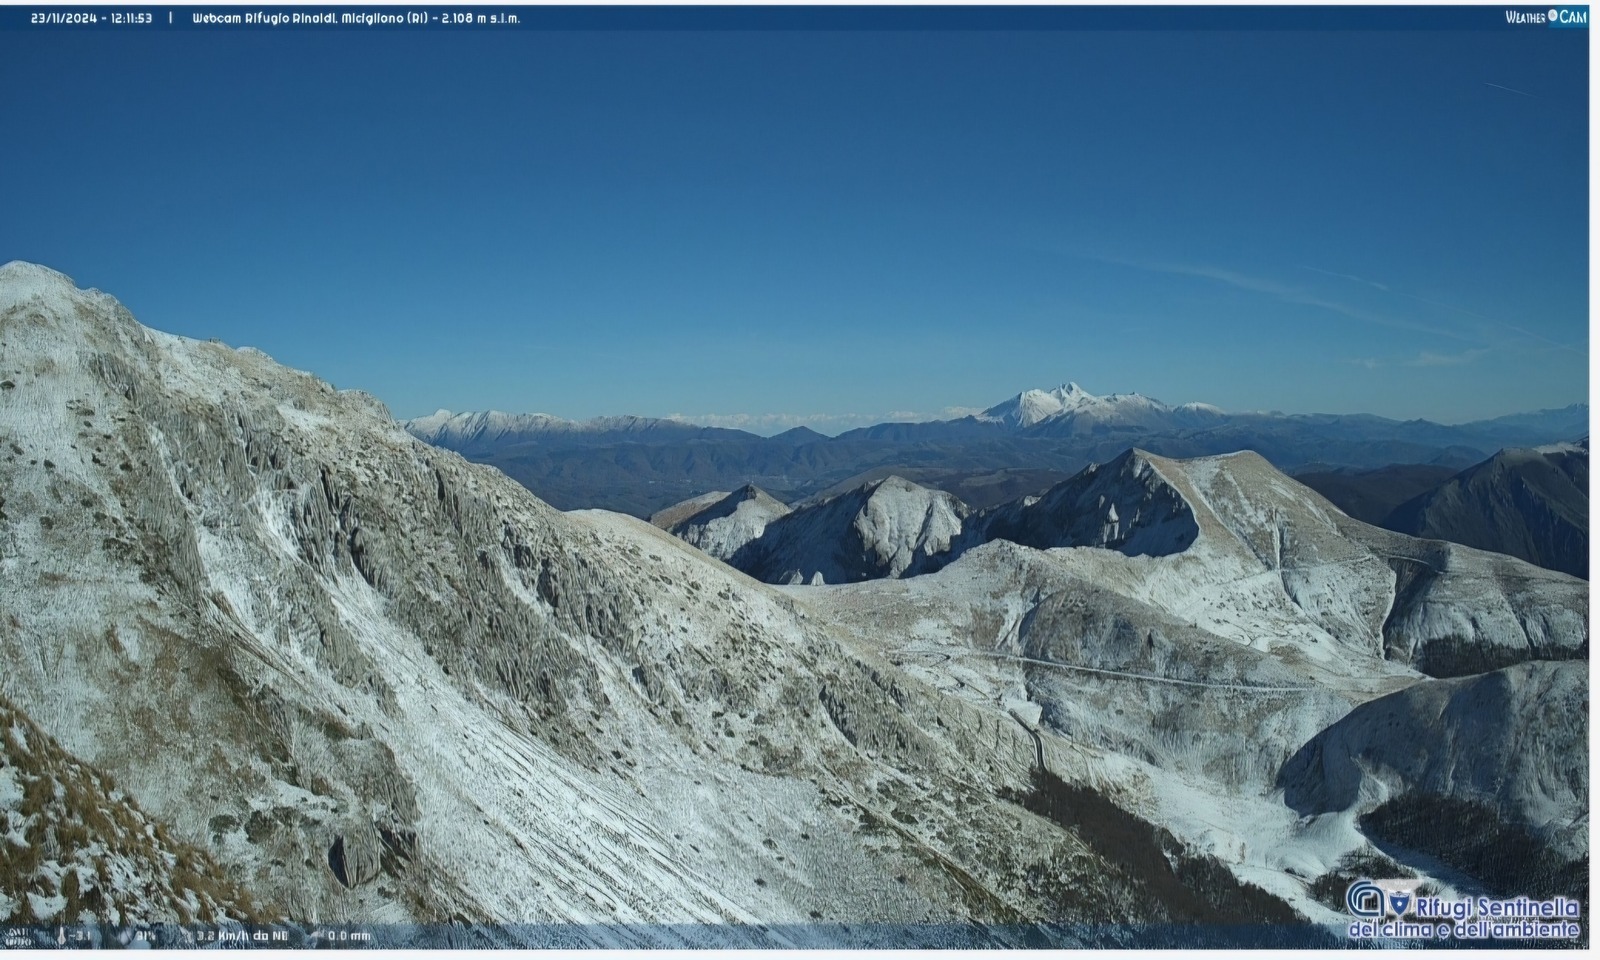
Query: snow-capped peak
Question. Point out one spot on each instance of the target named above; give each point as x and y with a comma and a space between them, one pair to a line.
1032, 407
21, 281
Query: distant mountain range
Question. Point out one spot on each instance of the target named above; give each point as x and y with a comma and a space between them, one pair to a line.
640, 465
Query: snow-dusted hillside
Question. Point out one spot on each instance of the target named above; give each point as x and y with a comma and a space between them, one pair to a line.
1515, 740
1223, 618
74, 849
378, 683
882, 529
722, 524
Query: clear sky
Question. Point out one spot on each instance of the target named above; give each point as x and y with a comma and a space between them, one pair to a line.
830, 227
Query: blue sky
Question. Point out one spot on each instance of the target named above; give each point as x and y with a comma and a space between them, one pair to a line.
830, 227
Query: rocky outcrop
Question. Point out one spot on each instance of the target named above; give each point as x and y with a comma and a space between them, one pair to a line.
76, 849
886, 528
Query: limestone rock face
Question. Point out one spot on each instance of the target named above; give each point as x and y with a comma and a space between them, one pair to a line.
376, 682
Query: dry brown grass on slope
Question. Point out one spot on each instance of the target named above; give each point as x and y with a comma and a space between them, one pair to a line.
73, 847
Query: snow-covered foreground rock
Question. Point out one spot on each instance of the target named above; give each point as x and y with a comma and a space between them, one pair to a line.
75, 849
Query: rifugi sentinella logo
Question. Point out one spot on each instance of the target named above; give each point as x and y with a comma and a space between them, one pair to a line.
1398, 910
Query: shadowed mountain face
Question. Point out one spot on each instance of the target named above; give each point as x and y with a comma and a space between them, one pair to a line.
1488, 774
640, 465
882, 529
1531, 504
1371, 495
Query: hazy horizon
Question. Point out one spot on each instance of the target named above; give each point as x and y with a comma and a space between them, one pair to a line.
832, 424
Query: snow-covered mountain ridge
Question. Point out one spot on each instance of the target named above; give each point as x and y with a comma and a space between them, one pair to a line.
1063, 411
493, 428
381, 684
642, 466
1230, 520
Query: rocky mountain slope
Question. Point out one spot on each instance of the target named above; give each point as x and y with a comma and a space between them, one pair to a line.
1445, 608
1196, 622
75, 849
1532, 504
377, 683
1200, 677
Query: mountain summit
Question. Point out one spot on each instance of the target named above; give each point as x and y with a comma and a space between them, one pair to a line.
1070, 404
